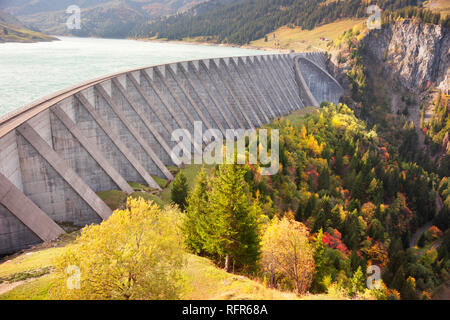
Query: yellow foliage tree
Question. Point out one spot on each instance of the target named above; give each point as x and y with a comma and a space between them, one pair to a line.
136, 254
378, 255
286, 252
313, 145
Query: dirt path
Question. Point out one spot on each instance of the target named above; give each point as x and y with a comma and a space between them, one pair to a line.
8, 286
416, 236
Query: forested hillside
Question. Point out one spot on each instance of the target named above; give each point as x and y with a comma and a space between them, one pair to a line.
342, 200
340, 177
399, 87
243, 21
344, 193
405, 92
99, 18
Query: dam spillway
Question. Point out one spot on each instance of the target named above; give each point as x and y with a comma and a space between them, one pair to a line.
57, 153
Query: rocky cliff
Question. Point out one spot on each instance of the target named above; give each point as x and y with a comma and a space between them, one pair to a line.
417, 53
398, 77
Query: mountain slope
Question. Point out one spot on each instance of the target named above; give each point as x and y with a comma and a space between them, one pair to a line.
398, 78
101, 18
12, 30
243, 21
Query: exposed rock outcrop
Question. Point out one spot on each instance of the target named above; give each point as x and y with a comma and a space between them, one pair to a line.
417, 53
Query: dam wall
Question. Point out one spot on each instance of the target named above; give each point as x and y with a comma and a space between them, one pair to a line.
58, 152
316, 84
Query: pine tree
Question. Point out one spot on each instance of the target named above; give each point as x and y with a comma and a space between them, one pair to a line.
324, 179
320, 260
180, 190
310, 207
196, 226
299, 213
358, 186
320, 221
233, 220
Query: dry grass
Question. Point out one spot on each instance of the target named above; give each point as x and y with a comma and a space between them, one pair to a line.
37, 289
441, 6
29, 261
307, 40
207, 282
17, 34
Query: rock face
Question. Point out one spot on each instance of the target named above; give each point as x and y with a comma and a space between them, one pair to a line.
417, 53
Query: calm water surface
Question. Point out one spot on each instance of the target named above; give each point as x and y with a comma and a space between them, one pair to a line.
29, 71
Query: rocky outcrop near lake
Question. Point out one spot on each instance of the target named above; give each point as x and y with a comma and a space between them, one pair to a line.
416, 53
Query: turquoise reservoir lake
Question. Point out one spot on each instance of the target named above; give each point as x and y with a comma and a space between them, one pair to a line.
29, 71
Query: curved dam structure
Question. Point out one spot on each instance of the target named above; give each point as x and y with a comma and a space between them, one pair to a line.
58, 152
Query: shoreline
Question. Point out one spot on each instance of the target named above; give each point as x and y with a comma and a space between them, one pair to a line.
213, 44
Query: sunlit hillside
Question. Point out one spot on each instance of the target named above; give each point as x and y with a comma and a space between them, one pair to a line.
441, 6
297, 39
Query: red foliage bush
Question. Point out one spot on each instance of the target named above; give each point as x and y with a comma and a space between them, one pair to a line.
335, 241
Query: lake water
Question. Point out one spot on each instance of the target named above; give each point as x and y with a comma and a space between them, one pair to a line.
29, 71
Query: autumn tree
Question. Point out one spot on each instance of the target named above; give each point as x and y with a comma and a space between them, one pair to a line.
136, 254
357, 284
287, 252
180, 190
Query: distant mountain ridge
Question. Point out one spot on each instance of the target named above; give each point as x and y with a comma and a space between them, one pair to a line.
100, 18
13, 30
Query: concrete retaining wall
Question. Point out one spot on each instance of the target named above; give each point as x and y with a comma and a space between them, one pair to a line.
103, 134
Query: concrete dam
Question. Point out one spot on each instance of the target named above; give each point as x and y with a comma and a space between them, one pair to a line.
58, 152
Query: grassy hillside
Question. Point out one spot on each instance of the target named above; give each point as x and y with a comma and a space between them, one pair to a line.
12, 30
13, 34
32, 279
28, 275
240, 22
297, 39
441, 6
100, 18
205, 281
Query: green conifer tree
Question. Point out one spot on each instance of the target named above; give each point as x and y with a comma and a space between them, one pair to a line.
180, 190
196, 226
320, 260
233, 220
324, 179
